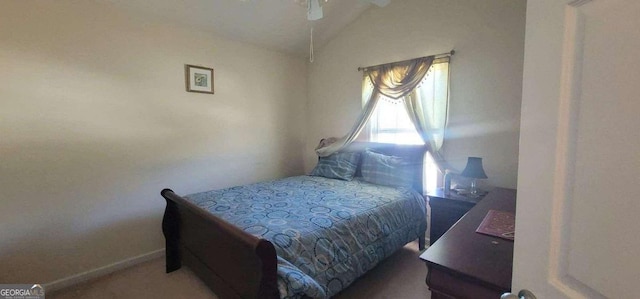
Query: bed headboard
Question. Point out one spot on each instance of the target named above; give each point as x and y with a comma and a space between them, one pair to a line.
414, 154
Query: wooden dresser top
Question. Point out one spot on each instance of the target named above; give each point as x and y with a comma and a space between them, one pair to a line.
480, 257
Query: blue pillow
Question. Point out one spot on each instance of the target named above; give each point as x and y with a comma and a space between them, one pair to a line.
386, 170
337, 166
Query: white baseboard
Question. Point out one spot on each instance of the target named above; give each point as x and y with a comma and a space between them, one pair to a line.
98, 272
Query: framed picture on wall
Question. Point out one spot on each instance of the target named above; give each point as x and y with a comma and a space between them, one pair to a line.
198, 78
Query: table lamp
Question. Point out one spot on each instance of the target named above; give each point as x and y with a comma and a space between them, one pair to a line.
474, 171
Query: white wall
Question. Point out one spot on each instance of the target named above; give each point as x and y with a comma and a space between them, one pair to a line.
486, 74
95, 121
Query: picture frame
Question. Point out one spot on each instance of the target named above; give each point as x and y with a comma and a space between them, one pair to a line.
198, 79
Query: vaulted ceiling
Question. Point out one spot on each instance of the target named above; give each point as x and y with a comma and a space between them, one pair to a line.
280, 25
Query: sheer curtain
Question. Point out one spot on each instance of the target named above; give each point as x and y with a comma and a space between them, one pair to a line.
427, 106
391, 123
394, 80
425, 99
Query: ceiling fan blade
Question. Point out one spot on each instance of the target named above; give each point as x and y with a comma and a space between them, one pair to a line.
314, 10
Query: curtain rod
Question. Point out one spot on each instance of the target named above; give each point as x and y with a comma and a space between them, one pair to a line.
448, 54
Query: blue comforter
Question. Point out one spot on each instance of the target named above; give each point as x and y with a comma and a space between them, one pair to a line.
326, 232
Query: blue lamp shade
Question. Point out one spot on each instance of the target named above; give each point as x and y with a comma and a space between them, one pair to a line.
474, 169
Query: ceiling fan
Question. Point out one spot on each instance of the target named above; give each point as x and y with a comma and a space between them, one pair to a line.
314, 13
314, 9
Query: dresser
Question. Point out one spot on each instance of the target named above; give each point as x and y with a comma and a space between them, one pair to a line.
465, 264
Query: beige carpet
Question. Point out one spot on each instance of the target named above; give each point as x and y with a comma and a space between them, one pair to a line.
400, 276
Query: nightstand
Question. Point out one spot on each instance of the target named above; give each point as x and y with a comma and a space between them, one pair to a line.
446, 210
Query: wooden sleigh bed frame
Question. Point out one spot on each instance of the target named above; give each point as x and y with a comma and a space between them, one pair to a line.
230, 261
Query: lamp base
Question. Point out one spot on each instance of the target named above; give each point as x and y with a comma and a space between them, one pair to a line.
474, 187
467, 192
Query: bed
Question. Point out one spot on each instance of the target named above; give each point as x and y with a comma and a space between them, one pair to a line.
298, 237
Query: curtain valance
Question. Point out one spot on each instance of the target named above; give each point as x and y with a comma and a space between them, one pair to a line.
397, 81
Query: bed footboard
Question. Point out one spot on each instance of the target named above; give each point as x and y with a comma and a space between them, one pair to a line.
232, 262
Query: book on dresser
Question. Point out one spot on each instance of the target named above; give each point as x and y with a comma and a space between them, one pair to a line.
499, 224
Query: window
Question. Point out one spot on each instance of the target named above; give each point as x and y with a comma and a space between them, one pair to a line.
390, 122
